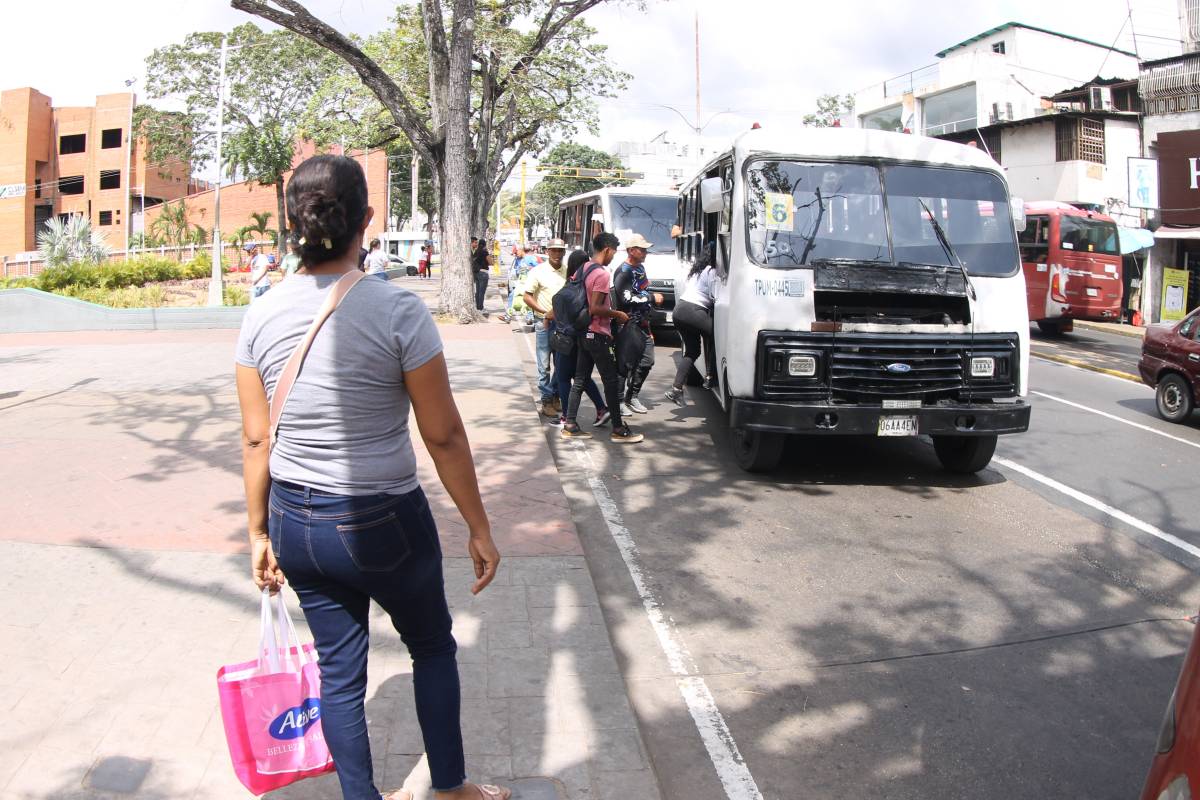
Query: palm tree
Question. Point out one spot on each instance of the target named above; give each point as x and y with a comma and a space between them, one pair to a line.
262, 226
74, 240
171, 225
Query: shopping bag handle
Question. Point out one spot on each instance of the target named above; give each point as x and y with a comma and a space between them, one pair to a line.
278, 634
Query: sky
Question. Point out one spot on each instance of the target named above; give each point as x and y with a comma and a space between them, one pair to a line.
761, 61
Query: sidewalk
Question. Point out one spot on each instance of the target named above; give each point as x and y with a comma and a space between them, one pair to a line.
122, 528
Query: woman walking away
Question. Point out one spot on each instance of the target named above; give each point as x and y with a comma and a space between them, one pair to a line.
335, 505
377, 261
481, 263
693, 320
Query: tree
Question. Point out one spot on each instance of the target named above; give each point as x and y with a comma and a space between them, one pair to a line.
61, 243
262, 226
830, 109
473, 90
171, 225
400, 154
271, 78
545, 197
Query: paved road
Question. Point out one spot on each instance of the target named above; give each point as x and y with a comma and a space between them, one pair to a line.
862, 624
1102, 349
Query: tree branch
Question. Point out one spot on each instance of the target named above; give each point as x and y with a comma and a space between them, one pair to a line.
300, 21
547, 31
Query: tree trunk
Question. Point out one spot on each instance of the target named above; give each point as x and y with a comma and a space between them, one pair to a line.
282, 210
458, 279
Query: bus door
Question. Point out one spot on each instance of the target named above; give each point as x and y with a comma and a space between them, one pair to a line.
1035, 262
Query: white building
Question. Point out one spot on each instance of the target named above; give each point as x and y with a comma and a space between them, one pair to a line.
666, 163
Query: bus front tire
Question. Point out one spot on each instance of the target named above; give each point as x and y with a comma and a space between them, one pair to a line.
756, 451
965, 455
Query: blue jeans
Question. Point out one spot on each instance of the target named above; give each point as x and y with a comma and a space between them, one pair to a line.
339, 553
564, 375
542, 338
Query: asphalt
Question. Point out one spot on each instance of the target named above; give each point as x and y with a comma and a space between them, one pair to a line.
1103, 350
869, 625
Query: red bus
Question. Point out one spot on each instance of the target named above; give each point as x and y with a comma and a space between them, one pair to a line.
1072, 263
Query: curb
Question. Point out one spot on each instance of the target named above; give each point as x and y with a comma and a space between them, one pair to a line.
1118, 330
1072, 362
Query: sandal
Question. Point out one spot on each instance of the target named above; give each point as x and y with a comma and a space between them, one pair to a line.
488, 791
399, 794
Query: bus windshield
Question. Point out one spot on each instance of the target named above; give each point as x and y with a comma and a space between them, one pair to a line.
648, 215
1085, 235
800, 213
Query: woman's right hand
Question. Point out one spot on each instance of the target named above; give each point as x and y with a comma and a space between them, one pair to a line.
485, 557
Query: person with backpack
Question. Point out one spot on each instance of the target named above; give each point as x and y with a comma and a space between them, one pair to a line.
564, 342
592, 315
634, 342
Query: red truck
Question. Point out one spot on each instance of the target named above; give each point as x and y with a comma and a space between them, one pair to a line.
1072, 264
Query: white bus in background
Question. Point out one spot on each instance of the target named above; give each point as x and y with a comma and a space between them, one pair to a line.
869, 283
625, 211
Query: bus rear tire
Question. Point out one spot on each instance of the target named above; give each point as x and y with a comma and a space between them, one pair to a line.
964, 455
1051, 327
756, 451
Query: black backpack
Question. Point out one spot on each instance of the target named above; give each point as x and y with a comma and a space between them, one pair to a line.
570, 304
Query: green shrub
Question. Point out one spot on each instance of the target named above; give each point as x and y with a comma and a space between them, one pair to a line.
17, 283
127, 297
77, 273
201, 266
236, 296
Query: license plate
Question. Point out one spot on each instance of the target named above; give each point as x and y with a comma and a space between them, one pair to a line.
897, 426
670, 317
1093, 292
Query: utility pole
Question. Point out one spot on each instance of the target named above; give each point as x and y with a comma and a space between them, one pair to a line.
416, 174
521, 234
696, 142
216, 286
387, 214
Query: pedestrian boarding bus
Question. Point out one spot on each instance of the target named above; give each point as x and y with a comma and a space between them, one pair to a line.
1072, 264
869, 283
625, 211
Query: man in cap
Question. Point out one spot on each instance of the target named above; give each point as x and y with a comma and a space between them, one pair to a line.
541, 284
634, 344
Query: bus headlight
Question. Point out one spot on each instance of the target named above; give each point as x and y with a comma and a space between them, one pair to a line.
983, 367
802, 366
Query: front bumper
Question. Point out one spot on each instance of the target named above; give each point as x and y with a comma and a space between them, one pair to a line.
835, 419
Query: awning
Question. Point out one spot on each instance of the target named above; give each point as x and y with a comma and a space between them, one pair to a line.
1134, 239
1177, 233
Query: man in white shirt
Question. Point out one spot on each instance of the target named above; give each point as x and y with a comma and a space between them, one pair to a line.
541, 284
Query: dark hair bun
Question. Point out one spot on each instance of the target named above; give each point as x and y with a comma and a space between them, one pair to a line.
326, 206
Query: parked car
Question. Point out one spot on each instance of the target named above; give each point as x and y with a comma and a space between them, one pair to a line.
1170, 364
1175, 769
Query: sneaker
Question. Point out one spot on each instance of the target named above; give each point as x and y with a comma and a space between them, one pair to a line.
557, 401
548, 409
675, 395
571, 430
636, 405
558, 422
626, 411
504, 318
625, 436
709, 382
602, 418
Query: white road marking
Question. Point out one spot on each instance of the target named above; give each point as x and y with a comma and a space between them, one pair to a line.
1131, 423
1100, 505
722, 750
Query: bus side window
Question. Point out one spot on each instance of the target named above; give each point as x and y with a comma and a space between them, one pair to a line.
1035, 240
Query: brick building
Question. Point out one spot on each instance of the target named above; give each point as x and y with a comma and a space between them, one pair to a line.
76, 160
239, 200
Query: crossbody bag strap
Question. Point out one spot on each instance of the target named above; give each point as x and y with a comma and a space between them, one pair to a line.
291, 370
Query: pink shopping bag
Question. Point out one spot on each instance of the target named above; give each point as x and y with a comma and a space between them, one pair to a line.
271, 708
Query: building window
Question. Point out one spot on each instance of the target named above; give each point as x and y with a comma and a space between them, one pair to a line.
1079, 139
106, 218
37, 187
110, 138
950, 111
885, 119
998, 47
74, 143
110, 179
991, 140
71, 185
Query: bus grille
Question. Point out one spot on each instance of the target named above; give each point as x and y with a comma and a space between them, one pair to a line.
868, 368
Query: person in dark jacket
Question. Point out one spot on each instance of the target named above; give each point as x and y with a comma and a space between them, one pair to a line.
634, 343
481, 263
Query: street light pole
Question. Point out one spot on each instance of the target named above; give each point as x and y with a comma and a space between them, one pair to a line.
216, 286
412, 208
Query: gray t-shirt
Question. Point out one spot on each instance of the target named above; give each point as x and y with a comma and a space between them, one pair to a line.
345, 427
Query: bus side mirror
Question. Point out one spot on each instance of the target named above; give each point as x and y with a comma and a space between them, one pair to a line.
712, 198
1018, 212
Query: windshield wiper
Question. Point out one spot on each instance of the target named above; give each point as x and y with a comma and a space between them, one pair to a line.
944, 240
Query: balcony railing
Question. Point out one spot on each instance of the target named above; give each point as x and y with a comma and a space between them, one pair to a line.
909, 82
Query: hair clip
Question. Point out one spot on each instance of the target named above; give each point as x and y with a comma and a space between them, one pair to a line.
300, 241
328, 244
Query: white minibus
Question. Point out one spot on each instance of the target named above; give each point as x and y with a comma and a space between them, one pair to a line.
625, 211
868, 283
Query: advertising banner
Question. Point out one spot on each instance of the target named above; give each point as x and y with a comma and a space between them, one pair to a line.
1174, 294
